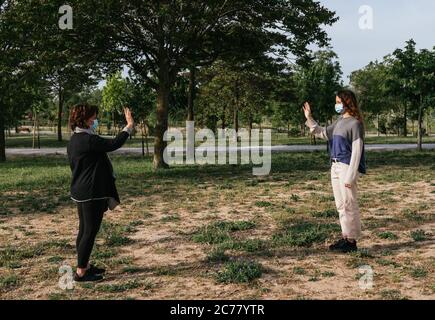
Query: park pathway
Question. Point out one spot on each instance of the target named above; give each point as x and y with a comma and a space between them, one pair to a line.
278, 148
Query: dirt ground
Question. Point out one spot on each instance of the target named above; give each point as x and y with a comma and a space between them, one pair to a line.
149, 249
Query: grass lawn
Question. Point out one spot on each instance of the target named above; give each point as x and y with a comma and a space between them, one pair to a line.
204, 232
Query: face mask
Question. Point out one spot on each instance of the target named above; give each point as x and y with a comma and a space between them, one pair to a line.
94, 125
339, 108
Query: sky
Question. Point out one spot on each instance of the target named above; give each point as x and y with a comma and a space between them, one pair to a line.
394, 22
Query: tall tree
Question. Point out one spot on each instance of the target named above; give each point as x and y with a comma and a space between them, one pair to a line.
318, 81
370, 83
412, 79
15, 71
158, 39
115, 96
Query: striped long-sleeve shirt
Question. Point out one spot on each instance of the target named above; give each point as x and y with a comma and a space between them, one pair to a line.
346, 143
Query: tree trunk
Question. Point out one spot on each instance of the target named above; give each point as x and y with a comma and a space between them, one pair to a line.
250, 125
387, 125
223, 118
162, 116
236, 121
405, 117
146, 138
190, 140
143, 143
430, 125
377, 119
34, 131
2, 138
37, 129
191, 95
420, 126
236, 109
114, 123
59, 115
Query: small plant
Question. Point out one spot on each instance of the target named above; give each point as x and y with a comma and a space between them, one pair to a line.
305, 234
418, 235
290, 210
219, 232
328, 274
132, 269
8, 281
217, 255
114, 234
388, 235
419, 272
295, 197
263, 204
55, 259
299, 271
225, 186
392, 295
101, 254
170, 218
328, 213
136, 223
249, 245
362, 253
326, 198
119, 287
251, 183
116, 240
239, 272
412, 215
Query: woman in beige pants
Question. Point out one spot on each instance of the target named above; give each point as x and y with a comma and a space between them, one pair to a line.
346, 149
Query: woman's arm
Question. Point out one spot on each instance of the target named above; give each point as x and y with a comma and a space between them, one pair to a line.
357, 150
318, 131
99, 144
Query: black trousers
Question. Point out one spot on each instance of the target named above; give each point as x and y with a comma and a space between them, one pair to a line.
90, 216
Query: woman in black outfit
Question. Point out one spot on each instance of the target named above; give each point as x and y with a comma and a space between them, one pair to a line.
93, 181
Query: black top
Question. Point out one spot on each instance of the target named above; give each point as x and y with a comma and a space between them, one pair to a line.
92, 171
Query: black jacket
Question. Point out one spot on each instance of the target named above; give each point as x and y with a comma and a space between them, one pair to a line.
92, 171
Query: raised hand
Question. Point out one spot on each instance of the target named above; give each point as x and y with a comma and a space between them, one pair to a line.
128, 117
307, 110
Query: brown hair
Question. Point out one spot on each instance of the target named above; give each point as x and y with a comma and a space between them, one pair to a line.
80, 114
350, 103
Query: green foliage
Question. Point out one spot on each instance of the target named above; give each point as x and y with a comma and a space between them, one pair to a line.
305, 234
239, 272
115, 93
419, 235
219, 232
317, 82
327, 213
388, 235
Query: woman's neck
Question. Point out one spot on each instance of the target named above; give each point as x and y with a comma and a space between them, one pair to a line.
346, 115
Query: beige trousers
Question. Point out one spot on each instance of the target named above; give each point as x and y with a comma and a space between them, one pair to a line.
346, 201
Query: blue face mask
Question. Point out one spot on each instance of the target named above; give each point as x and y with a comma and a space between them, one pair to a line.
339, 108
94, 125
